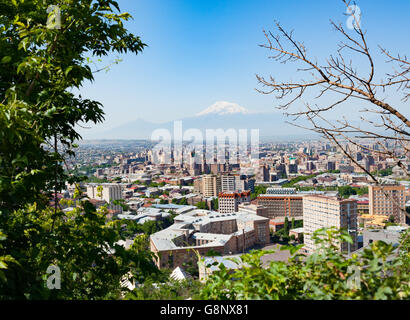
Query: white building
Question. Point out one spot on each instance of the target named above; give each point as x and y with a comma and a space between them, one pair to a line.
321, 211
109, 193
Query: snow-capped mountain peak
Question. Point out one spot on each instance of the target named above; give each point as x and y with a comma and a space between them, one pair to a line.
223, 108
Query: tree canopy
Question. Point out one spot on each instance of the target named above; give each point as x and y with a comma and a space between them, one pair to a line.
39, 115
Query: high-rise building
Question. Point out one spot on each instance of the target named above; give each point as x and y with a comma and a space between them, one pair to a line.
228, 183
216, 168
291, 168
208, 185
109, 193
321, 211
388, 200
228, 202
236, 183
263, 173
331, 165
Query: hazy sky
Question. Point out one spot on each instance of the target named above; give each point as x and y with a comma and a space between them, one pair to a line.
200, 52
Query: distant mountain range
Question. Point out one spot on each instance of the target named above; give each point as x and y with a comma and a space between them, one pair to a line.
221, 115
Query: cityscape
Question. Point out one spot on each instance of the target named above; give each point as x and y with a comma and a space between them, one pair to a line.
233, 208
204, 151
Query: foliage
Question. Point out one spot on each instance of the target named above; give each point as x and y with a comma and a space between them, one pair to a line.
93, 179
191, 267
383, 172
362, 191
282, 235
299, 179
90, 169
170, 290
325, 274
202, 205
215, 204
258, 190
147, 228
39, 116
346, 191
82, 244
212, 253
156, 184
182, 201
286, 226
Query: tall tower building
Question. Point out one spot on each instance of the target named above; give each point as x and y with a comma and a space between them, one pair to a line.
324, 212
211, 185
388, 200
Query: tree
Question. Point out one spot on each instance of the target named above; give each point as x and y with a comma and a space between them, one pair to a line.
286, 226
215, 204
346, 191
342, 79
167, 290
202, 205
362, 191
325, 274
39, 117
383, 172
258, 190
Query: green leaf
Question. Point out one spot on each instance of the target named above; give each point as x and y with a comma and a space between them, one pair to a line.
6, 59
67, 71
3, 265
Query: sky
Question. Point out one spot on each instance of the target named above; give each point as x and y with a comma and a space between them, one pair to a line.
203, 51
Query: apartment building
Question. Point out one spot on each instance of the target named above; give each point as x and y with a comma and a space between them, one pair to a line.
282, 204
228, 183
229, 201
321, 211
388, 200
236, 183
109, 193
208, 185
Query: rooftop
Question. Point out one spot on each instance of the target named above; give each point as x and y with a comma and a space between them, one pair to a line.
189, 226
